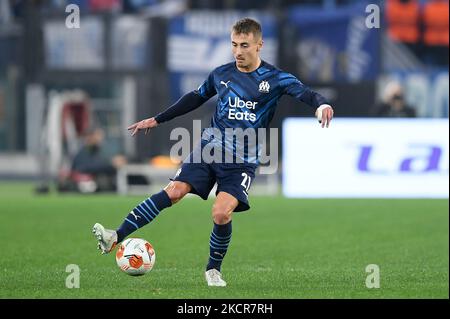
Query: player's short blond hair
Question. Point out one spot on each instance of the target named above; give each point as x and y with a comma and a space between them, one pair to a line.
247, 26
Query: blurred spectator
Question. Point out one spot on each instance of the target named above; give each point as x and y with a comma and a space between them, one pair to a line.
91, 161
394, 104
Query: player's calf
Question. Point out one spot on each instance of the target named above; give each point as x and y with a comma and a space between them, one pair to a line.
150, 208
221, 233
143, 213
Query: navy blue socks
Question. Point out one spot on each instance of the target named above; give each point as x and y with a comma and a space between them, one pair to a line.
143, 214
218, 245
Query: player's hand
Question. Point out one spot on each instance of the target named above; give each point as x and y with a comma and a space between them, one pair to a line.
146, 124
324, 114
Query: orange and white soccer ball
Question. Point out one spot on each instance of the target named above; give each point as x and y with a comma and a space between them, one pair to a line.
135, 256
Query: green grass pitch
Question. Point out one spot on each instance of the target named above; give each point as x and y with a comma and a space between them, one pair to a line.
282, 248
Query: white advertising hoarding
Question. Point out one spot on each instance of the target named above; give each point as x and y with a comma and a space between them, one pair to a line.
358, 157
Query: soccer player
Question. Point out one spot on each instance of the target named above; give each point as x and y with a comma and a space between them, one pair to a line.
248, 91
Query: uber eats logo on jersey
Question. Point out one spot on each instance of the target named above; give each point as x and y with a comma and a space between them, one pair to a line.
237, 103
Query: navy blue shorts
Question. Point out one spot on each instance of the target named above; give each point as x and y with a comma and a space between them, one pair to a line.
232, 178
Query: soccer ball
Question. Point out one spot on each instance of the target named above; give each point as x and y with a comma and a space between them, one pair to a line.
135, 256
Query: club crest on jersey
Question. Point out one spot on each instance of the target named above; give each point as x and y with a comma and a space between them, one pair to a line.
264, 87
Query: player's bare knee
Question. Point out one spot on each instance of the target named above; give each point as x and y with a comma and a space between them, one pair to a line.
177, 190
221, 213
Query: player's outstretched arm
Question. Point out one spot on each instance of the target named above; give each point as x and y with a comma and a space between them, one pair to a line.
185, 104
324, 114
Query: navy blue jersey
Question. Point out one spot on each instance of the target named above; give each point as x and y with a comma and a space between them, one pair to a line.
249, 100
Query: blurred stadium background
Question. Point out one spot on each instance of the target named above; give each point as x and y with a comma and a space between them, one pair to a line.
130, 59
